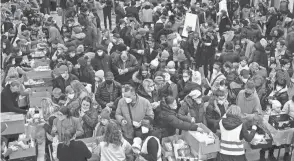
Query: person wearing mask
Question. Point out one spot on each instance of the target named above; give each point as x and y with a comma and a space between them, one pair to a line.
85, 72
72, 101
124, 66
108, 92
192, 108
72, 56
64, 79
248, 100
216, 77
112, 146
147, 90
139, 44
71, 149
10, 95
168, 120
101, 61
233, 131
168, 88
185, 85
88, 116
132, 111
237, 85
216, 109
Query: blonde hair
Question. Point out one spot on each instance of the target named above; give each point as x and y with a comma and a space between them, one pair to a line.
234, 110
78, 88
48, 107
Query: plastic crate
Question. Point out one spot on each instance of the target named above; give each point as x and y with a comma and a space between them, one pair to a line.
281, 122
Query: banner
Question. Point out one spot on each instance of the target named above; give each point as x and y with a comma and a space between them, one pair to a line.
192, 21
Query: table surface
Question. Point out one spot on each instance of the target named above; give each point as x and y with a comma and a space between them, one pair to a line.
15, 123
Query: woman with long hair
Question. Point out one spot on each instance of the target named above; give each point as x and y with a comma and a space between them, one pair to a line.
66, 121
88, 115
113, 146
79, 89
72, 150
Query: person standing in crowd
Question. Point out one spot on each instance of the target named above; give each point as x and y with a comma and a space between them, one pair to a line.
107, 7
101, 61
233, 131
64, 79
132, 111
72, 149
108, 92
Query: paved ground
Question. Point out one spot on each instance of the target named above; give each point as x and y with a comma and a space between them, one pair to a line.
252, 155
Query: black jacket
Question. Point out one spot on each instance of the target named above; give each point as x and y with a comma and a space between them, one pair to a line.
59, 82
76, 151
101, 63
10, 104
259, 55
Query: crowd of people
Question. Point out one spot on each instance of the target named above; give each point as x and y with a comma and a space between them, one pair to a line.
143, 79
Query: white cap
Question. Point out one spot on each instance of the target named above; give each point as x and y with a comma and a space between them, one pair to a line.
195, 93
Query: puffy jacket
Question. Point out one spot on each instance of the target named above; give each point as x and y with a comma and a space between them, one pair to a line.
168, 120
103, 96
190, 109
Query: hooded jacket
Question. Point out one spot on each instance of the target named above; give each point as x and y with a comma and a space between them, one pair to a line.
190, 109
86, 73
213, 113
143, 93
168, 120
231, 122
259, 56
248, 105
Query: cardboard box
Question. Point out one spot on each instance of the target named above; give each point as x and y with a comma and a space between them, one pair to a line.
200, 147
39, 74
15, 123
42, 89
24, 153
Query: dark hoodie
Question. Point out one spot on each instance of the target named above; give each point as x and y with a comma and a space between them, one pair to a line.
168, 120
259, 55
231, 122
86, 73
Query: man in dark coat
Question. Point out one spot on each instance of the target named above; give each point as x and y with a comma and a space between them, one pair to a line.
225, 23
259, 55
9, 97
64, 79
101, 61
133, 11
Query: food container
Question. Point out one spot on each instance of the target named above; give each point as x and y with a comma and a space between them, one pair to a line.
281, 122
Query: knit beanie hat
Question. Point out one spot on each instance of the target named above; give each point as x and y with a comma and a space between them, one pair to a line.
171, 65
105, 114
164, 54
181, 56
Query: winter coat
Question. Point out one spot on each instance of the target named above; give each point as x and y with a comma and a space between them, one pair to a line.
138, 44
252, 32
282, 96
190, 109
271, 23
132, 10
77, 150
213, 113
184, 88
74, 106
87, 75
168, 120
103, 96
102, 63
137, 79
259, 56
154, 98
141, 110
224, 22
10, 104
54, 35
131, 64
157, 27
229, 56
66, 124
288, 108
91, 36
250, 105
59, 82
147, 15
89, 122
